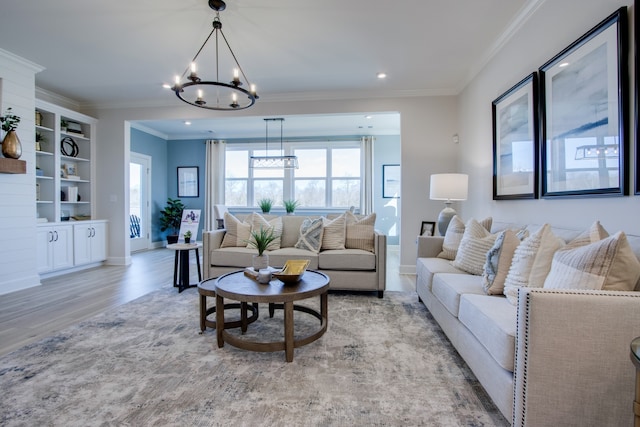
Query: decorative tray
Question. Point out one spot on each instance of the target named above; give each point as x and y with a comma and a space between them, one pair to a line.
292, 271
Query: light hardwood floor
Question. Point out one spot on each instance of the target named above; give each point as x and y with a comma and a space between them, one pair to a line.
32, 314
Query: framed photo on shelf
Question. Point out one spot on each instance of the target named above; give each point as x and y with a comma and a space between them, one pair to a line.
427, 228
391, 181
584, 98
515, 141
69, 170
188, 182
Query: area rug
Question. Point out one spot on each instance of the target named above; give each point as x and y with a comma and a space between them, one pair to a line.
382, 362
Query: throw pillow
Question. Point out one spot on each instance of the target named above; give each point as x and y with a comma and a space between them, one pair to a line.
498, 261
258, 222
310, 235
237, 232
476, 242
333, 235
453, 236
359, 234
592, 234
607, 264
531, 262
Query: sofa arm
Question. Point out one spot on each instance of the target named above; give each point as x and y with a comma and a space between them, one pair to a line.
211, 240
380, 249
572, 365
429, 246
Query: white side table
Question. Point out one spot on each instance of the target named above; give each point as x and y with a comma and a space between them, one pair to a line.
181, 264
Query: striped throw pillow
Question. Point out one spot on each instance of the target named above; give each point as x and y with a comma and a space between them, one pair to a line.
237, 232
360, 232
607, 264
472, 253
259, 222
333, 235
453, 236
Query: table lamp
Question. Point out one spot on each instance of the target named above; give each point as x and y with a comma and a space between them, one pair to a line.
448, 187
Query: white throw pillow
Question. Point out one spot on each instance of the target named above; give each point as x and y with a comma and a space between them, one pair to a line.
531, 262
595, 233
333, 236
607, 264
311, 232
498, 260
360, 232
453, 236
237, 232
472, 253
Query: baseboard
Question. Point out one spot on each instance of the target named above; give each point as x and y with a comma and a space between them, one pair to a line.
407, 269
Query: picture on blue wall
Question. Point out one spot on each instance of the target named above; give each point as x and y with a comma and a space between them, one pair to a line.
584, 120
188, 183
515, 141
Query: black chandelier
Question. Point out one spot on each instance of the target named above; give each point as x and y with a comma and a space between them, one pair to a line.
215, 94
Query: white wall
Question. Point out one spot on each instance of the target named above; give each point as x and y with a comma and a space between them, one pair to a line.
18, 192
427, 124
552, 27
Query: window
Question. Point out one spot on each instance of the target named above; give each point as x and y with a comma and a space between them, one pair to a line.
329, 176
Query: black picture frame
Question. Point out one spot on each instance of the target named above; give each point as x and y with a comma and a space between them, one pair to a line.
636, 100
391, 181
188, 181
428, 227
584, 114
516, 141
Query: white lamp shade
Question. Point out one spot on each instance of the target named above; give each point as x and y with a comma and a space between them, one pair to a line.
449, 186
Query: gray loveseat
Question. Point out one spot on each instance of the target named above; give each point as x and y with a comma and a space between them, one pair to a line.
348, 269
557, 358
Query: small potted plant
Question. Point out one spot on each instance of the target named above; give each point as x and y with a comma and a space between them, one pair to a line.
170, 219
265, 205
11, 146
290, 206
260, 240
63, 125
187, 236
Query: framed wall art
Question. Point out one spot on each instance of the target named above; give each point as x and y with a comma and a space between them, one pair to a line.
584, 98
515, 141
391, 181
636, 101
188, 183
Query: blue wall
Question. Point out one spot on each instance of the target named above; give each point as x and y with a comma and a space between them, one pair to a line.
156, 148
190, 152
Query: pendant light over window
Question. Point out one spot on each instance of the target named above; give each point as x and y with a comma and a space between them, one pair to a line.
273, 162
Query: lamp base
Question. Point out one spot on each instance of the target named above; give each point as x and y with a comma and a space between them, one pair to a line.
444, 219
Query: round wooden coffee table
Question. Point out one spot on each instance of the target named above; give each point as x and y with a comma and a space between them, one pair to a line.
236, 286
207, 288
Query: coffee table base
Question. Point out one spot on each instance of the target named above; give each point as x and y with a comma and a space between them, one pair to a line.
289, 342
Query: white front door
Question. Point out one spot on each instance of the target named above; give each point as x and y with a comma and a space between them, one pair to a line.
139, 201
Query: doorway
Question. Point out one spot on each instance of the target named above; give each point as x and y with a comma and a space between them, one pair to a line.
139, 201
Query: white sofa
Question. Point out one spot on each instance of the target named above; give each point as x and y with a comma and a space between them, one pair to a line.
348, 269
558, 358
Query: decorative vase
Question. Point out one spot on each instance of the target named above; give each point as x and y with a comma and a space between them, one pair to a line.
11, 146
260, 262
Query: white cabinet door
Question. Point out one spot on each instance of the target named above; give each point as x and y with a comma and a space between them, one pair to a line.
89, 242
55, 248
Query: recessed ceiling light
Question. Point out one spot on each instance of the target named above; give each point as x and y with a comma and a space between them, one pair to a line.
188, 123
368, 117
382, 75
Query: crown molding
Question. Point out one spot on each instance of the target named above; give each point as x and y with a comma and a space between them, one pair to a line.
22, 61
145, 129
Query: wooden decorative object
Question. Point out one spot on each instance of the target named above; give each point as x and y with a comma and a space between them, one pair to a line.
12, 166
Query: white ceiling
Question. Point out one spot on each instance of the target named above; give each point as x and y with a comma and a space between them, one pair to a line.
114, 54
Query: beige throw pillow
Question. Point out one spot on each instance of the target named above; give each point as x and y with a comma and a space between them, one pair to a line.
593, 234
476, 242
453, 236
531, 262
310, 235
333, 236
237, 232
499, 259
359, 234
607, 264
259, 222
